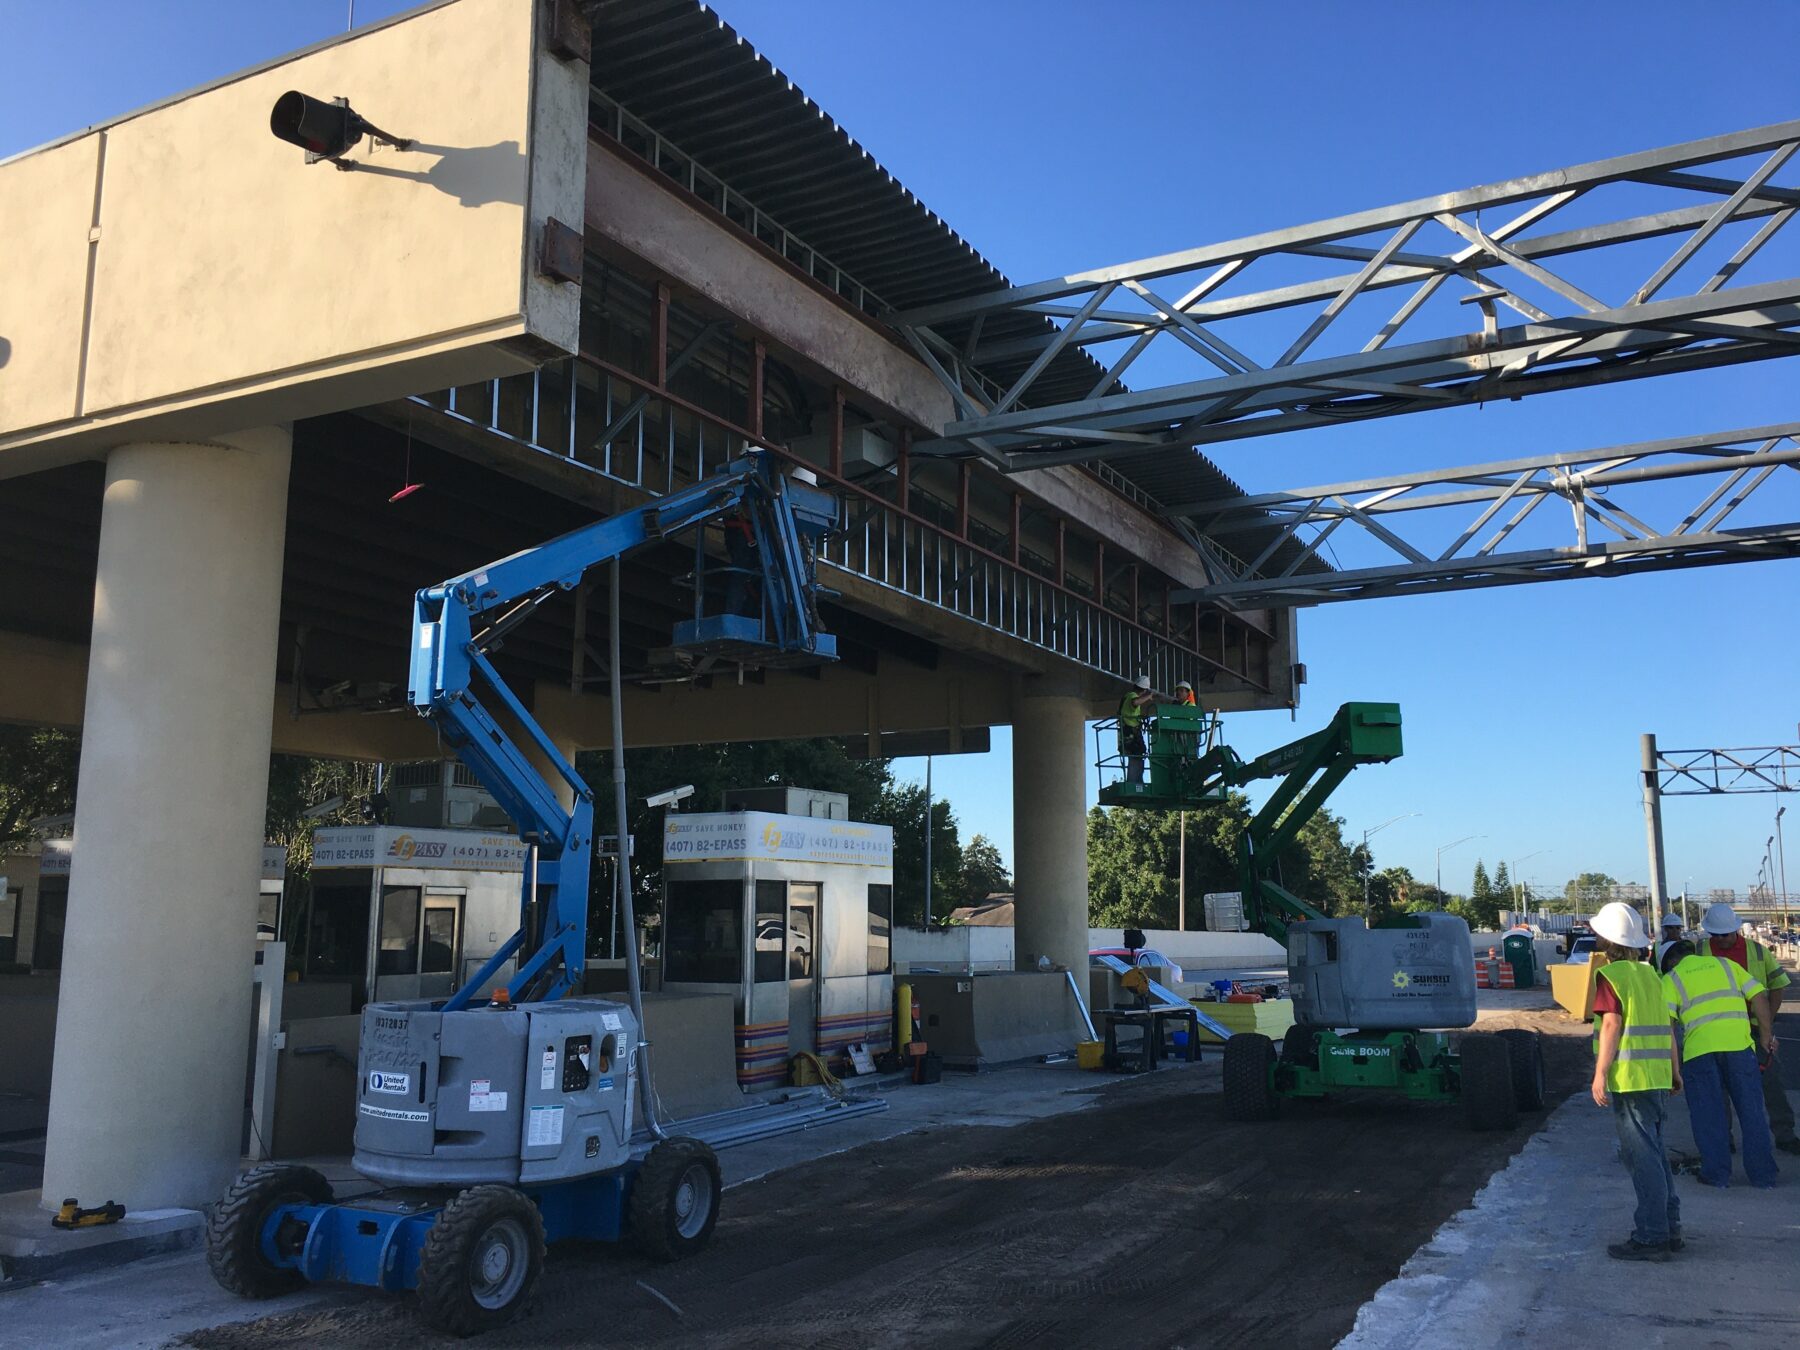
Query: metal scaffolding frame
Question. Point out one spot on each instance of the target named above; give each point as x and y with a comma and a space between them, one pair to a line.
1461, 257
1606, 537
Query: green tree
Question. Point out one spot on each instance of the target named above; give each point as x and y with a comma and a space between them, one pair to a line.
1482, 909
1134, 856
37, 778
983, 871
902, 806
1390, 891
1588, 891
1503, 887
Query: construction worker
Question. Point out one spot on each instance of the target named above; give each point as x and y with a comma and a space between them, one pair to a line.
1184, 695
1131, 728
1672, 927
1634, 1073
1708, 995
1722, 935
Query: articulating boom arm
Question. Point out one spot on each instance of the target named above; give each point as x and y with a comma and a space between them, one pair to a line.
457, 623
1313, 766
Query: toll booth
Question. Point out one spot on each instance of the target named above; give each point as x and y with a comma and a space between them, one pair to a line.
400, 912
34, 902
792, 915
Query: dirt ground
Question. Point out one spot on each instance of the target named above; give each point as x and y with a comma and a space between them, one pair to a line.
1149, 1219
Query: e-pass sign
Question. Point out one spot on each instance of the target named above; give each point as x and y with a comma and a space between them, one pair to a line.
397, 1083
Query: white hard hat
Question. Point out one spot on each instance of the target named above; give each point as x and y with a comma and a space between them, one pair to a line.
1619, 922
1662, 950
1143, 682
1672, 920
1721, 920
1183, 684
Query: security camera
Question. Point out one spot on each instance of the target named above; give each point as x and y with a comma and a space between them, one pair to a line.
324, 808
671, 796
325, 130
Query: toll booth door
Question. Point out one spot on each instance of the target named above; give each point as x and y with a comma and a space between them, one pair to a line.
419, 943
803, 966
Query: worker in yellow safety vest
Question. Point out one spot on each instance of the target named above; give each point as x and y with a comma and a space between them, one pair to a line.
1131, 728
1713, 999
1723, 936
1634, 1072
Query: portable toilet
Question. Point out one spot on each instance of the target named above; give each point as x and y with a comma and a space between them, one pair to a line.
1519, 952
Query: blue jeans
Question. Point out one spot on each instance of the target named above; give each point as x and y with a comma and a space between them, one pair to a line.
1639, 1118
1709, 1079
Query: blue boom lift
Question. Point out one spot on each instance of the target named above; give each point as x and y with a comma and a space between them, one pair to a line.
499, 1121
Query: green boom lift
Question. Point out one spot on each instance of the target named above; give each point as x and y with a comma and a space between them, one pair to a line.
1361, 994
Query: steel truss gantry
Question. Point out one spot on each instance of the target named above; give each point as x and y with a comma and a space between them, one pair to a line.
1605, 536
1601, 301
1711, 773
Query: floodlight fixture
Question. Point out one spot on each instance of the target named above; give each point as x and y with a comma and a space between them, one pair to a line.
325, 129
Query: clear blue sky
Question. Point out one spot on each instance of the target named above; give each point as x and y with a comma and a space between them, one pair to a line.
1061, 136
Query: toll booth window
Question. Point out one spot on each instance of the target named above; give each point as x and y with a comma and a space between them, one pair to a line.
771, 930
881, 929
9, 925
438, 954
52, 913
397, 950
803, 909
337, 931
703, 937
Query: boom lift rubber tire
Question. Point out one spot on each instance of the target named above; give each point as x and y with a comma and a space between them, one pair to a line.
674, 1200
1487, 1082
481, 1260
234, 1233
1526, 1049
1249, 1087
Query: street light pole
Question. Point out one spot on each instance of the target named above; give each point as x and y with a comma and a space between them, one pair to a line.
1366, 860
1517, 885
1439, 860
1781, 853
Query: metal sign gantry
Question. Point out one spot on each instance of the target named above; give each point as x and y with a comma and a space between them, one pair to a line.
1602, 531
1459, 259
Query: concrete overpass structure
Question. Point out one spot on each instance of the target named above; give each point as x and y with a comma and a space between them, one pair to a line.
593, 273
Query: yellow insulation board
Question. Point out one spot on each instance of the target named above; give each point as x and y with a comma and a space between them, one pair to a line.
1272, 1017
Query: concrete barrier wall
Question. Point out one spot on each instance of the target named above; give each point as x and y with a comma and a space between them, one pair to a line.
974, 947
315, 1087
27, 1033
980, 1020
692, 1054
1200, 950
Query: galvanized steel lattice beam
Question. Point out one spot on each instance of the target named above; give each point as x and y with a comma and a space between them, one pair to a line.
1606, 537
1460, 258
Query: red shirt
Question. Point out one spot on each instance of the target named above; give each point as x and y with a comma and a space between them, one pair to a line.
1732, 948
1606, 998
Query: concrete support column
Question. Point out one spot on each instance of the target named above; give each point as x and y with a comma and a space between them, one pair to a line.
1050, 832
147, 1092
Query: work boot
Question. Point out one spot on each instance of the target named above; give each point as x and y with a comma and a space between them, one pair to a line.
1675, 1241
1633, 1250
